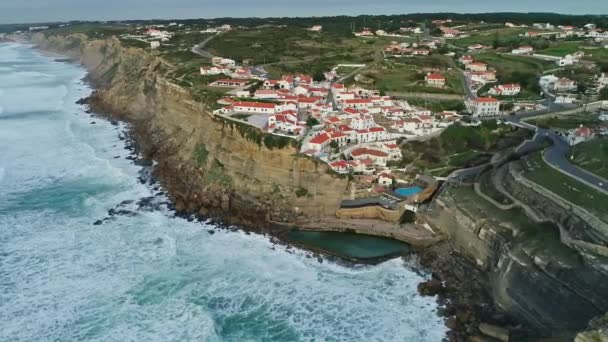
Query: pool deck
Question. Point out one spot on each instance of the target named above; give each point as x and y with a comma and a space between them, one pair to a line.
413, 234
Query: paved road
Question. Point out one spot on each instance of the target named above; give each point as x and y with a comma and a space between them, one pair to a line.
200, 48
557, 155
466, 84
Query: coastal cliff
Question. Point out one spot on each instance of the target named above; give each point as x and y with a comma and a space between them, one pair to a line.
537, 271
209, 165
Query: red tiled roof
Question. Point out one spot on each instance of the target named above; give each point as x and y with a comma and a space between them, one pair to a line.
377, 129
319, 139
435, 77
485, 100
254, 104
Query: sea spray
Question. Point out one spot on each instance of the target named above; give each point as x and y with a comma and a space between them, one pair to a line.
82, 259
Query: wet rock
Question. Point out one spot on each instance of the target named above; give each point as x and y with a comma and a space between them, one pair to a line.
430, 287
98, 223
92, 122
143, 162
494, 331
211, 232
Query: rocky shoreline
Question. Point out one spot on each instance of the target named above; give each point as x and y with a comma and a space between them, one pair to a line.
462, 290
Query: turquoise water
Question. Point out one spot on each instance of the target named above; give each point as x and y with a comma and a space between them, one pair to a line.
149, 276
405, 192
351, 246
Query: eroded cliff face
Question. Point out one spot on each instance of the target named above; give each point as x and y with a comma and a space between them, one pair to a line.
209, 165
533, 274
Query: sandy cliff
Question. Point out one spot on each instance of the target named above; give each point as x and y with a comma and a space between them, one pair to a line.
209, 165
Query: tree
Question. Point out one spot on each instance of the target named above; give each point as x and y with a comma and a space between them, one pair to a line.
604, 93
311, 122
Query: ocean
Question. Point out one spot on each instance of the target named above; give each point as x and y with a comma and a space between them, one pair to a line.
146, 275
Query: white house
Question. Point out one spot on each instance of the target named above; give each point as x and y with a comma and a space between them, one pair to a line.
602, 81
483, 106
477, 66
523, 50
214, 70
506, 90
564, 85
567, 60
379, 157
466, 59
363, 122
579, 135
252, 107
435, 80
547, 81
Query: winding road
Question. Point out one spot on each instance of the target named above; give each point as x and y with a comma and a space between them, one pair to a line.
556, 155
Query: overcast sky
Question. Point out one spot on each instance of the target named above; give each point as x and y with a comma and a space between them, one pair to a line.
19, 11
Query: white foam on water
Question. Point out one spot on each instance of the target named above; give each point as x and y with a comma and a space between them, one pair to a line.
152, 277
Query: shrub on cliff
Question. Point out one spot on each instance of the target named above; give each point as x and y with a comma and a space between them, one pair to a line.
301, 192
200, 155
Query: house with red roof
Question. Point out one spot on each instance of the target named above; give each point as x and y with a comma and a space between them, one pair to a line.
505, 89
266, 94
285, 122
483, 106
435, 80
579, 135
214, 70
253, 107
276, 84
357, 103
340, 166
318, 143
407, 125
231, 83
466, 59
378, 156
362, 122
477, 66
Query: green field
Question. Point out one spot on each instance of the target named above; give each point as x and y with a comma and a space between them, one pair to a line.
593, 156
518, 69
292, 44
561, 49
461, 146
407, 75
494, 37
566, 187
566, 122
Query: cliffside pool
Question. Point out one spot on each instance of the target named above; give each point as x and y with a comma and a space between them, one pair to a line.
406, 192
88, 253
349, 245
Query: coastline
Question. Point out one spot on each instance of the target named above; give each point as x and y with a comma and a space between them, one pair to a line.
463, 299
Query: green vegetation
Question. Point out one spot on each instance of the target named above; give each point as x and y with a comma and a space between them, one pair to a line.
593, 156
407, 75
566, 187
518, 69
495, 38
533, 238
200, 155
217, 174
461, 146
437, 105
487, 188
301, 192
297, 49
566, 122
561, 49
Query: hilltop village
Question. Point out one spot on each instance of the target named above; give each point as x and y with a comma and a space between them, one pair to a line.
358, 123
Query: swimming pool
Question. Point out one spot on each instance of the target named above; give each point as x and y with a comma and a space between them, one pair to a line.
406, 192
